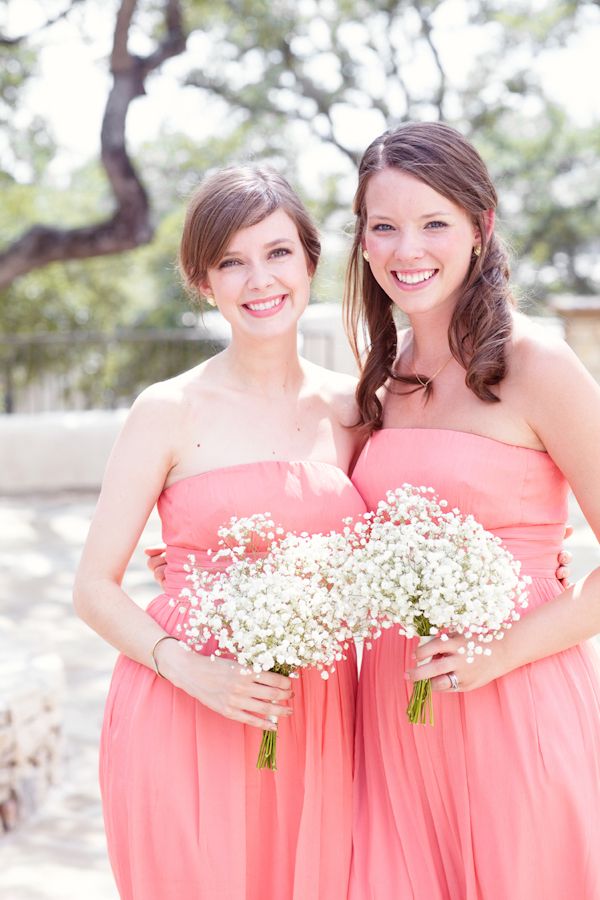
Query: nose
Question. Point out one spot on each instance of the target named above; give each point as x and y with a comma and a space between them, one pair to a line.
408, 245
260, 276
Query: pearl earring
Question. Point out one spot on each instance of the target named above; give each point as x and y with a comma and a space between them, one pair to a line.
366, 256
210, 301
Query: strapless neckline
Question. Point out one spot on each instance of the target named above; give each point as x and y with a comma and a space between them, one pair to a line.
284, 463
459, 432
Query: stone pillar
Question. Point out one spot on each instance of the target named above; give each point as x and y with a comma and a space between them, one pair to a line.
581, 317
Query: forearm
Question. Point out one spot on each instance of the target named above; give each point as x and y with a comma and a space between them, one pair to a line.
111, 613
568, 619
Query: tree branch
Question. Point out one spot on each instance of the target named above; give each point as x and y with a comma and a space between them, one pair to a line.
261, 104
427, 31
130, 225
13, 42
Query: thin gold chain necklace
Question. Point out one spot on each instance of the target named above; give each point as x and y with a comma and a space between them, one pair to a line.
426, 384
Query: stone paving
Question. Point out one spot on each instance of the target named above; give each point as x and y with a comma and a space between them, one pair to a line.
60, 853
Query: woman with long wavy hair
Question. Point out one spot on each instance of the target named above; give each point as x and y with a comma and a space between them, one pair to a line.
500, 798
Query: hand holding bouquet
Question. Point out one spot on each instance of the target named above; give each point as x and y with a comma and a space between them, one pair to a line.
273, 607
432, 570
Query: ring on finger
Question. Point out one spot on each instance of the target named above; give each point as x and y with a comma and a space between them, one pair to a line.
273, 719
453, 679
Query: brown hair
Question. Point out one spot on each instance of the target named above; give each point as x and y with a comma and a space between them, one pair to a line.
481, 324
232, 198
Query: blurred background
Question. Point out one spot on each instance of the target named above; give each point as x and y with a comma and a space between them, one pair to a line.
111, 111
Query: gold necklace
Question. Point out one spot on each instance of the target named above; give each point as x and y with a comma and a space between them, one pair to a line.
426, 384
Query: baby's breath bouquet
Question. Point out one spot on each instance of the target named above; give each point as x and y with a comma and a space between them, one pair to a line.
431, 570
273, 606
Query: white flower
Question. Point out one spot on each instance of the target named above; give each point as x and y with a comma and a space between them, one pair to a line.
431, 570
281, 602
286, 601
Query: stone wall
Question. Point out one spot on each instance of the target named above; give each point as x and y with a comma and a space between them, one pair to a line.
31, 686
56, 451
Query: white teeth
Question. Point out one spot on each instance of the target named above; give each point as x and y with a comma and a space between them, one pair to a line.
415, 277
268, 304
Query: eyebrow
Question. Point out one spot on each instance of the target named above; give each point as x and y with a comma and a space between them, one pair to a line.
430, 215
283, 240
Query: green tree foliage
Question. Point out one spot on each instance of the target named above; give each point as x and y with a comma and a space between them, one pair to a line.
318, 63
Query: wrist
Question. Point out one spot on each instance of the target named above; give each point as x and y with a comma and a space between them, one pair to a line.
161, 654
509, 650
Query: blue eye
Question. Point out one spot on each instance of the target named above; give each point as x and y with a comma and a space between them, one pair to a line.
436, 224
226, 263
281, 251
383, 226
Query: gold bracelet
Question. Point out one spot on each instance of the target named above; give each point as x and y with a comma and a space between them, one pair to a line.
165, 637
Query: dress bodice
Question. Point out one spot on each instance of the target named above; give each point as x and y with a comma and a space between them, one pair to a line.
516, 492
299, 495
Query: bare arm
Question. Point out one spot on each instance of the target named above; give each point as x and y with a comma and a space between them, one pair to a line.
136, 472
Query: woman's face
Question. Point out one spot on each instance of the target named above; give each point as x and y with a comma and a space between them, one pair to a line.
419, 242
262, 283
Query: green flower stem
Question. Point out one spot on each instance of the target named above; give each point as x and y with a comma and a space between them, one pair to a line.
420, 707
267, 755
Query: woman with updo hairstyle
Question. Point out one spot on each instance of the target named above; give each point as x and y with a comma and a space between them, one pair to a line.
254, 429
499, 798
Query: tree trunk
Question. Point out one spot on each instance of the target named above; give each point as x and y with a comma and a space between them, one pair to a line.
130, 225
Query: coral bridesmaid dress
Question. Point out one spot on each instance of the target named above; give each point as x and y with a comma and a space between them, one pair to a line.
188, 816
500, 799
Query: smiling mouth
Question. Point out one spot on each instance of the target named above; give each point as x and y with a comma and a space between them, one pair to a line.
265, 305
415, 277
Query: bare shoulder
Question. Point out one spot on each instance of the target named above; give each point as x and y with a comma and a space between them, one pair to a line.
173, 395
162, 408
557, 395
337, 389
164, 398
561, 403
542, 356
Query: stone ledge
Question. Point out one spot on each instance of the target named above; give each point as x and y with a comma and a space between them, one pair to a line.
581, 317
31, 687
56, 451
575, 305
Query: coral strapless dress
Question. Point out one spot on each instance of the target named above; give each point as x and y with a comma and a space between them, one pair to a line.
188, 816
500, 799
